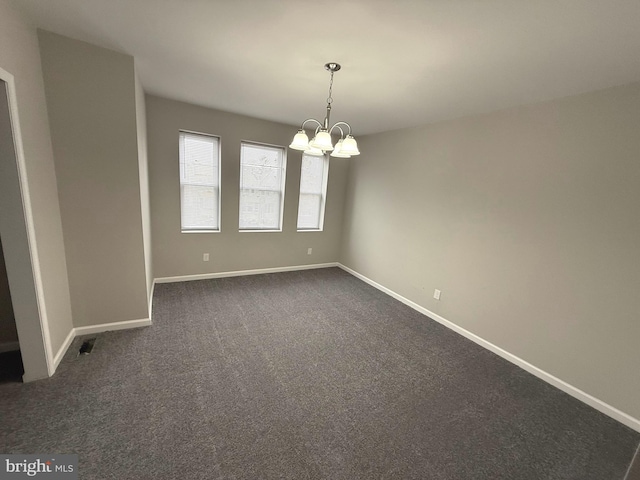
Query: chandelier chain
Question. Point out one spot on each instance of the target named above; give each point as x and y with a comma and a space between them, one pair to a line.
329, 98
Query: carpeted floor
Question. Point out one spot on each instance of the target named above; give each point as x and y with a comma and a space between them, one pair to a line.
304, 375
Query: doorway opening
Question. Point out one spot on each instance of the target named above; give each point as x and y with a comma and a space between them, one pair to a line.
11, 368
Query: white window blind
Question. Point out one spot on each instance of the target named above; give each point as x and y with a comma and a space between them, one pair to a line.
313, 189
199, 182
262, 176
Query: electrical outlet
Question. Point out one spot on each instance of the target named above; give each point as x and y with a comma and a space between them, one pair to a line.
309, 250
205, 257
436, 294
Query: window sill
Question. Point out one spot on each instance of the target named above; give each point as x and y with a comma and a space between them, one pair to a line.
259, 231
199, 231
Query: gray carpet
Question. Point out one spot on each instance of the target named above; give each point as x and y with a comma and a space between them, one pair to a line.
304, 375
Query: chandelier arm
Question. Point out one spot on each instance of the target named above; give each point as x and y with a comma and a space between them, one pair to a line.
341, 123
310, 120
338, 127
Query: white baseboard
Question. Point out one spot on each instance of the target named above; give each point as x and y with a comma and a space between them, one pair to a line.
240, 273
9, 346
78, 331
107, 327
153, 289
63, 349
590, 400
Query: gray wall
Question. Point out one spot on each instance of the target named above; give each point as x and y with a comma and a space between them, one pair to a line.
527, 220
91, 102
19, 55
175, 253
8, 332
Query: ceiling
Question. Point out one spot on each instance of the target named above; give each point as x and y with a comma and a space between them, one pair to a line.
404, 62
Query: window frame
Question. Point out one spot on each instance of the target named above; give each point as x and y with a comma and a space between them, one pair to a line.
218, 187
282, 190
323, 194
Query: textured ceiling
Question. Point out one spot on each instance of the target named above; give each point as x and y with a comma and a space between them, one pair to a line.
404, 63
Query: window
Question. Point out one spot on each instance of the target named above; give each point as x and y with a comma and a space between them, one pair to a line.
199, 182
313, 191
262, 175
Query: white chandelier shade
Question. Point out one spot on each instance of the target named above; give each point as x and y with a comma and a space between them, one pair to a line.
350, 146
316, 152
322, 141
300, 141
337, 150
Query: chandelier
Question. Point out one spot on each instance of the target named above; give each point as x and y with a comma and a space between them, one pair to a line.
321, 143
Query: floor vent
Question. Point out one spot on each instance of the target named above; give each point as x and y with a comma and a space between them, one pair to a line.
87, 346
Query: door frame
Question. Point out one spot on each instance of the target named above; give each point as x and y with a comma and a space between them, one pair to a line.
33, 333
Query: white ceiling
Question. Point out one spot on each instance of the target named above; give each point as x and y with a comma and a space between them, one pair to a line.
404, 62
